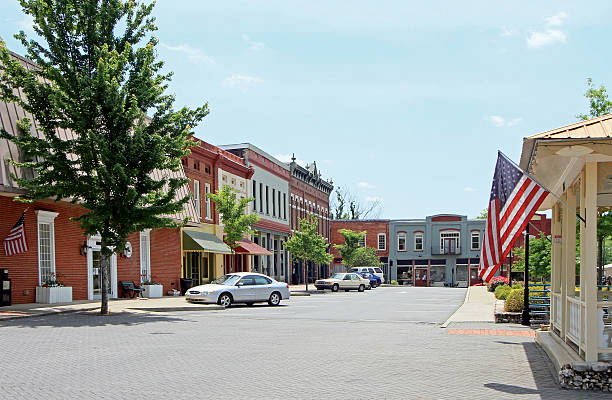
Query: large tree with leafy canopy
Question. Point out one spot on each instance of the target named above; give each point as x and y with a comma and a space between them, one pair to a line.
350, 246
307, 244
98, 76
232, 210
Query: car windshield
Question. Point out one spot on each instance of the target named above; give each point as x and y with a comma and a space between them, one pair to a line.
378, 270
337, 276
228, 280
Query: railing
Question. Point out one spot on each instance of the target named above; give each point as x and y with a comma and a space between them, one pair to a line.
539, 303
574, 320
558, 309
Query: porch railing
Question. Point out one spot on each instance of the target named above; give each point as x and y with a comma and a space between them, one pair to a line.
574, 320
558, 310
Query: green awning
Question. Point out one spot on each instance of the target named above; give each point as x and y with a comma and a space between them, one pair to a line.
194, 240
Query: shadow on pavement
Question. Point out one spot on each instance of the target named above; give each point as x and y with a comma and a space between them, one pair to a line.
88, 319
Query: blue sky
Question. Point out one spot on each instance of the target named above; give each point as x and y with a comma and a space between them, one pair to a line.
404, 102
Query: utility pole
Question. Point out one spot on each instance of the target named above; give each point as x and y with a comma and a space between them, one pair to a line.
526, 317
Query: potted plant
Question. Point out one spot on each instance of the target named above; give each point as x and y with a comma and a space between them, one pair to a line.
53, 291
152, 289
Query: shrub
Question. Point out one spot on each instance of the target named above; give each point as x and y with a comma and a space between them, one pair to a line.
502, 291
514, 301
517, 286
394, 282
496, 281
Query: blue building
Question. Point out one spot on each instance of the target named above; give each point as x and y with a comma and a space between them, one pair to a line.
440, 250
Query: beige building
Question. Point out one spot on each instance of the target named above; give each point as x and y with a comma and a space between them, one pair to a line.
575, 162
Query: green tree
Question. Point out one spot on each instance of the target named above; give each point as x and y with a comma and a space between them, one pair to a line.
307, 244
539, 258
484, 214
356, 208
97, 75
365, 257
232, 210
599, 104
350, 246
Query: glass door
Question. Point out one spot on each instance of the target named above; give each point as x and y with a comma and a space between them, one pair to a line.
93, 271
96, 277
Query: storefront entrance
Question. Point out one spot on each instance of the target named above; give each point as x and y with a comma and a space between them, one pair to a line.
420, 277
94, 286
474, 278
196, 266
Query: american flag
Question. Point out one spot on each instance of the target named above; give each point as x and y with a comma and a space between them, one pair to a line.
515, 197
16, 241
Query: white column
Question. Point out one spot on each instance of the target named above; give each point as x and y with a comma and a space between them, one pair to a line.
588, 264
568, 284
555, 263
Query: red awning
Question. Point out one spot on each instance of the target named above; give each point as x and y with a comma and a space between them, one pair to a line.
245, 246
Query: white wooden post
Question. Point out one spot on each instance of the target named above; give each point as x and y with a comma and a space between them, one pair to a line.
588, 269
568, 286
555, 265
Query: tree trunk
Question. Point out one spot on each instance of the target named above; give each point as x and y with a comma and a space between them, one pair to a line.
305, 271
104, 273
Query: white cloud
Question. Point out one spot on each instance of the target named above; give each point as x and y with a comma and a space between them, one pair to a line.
242, 82
508, 32
194, 55
500, 121
469, 189
539, 39
374, 199
253, 45
365, 185
286, 158
557, 19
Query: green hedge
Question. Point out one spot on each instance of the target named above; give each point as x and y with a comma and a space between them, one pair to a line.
501, 292
514, 301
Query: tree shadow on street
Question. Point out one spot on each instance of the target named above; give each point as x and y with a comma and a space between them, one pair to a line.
88, 319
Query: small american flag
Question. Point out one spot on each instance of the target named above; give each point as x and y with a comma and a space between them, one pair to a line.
515, 197
16, 241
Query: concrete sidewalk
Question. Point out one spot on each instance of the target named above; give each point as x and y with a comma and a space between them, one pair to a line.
478, 306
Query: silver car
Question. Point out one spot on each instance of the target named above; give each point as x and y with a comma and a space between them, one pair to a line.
240, 287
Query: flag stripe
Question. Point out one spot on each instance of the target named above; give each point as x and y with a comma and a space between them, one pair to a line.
16, 242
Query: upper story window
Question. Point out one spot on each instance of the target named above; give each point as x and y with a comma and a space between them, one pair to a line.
196, 196
449, 241
362, 241
254, 195
207, 201
475, 240
401, 241
274, 202
418, 241
382, 241
261, 197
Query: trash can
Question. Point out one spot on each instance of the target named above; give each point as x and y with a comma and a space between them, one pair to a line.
186, 284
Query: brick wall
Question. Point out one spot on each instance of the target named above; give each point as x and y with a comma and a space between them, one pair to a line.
372, 227
166, 257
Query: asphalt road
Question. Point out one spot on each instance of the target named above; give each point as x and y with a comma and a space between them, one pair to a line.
382, 344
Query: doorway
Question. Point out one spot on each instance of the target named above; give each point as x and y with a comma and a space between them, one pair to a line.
196, 267
474, 278
94, 282
420, 277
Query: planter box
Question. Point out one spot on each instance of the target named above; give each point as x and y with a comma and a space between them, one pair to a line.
50, 295
153, 291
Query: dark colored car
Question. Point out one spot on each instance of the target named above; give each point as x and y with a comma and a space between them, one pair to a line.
374, 280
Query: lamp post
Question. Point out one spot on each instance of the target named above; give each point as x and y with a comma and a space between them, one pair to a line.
526, 317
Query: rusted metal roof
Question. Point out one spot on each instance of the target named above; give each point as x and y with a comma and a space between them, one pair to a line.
10, 113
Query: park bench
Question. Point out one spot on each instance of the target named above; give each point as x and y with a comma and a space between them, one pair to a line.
131, 288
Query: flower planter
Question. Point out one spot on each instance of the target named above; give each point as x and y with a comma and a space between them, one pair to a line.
153, 291
53, 294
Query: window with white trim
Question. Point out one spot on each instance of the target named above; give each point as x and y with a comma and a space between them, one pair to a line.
362, 241
207, 201
46, 245
382, 241
401, 241
196, 196
145, 255
449, 237
475, 240
418, 241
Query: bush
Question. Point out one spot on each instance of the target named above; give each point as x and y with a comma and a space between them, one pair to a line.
394, 282
517, 286
496, 281
514, 301
502, 292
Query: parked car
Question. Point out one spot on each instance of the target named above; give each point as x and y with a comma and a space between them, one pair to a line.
374, 280
240, 287
343, 280
373, 270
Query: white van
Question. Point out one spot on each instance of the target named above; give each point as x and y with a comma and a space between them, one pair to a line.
373, 270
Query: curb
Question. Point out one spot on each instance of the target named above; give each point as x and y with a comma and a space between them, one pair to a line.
448, 321
170, 309
14, 317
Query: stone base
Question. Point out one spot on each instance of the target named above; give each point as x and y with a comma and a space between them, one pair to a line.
504, 317
586, 376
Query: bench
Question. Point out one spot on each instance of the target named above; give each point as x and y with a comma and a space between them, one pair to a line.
131, 288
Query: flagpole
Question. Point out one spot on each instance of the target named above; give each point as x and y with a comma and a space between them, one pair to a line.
549, 191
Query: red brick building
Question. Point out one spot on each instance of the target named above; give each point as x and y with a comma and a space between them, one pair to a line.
309, 197
377, 236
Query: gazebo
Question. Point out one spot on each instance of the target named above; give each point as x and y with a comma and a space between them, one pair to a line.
575, 163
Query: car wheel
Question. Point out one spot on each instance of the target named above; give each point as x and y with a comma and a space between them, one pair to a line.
274, 299
249, 304
346, 290
225, 300
335, 287
361, 288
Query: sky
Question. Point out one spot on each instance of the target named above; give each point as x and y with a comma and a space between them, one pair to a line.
399, 101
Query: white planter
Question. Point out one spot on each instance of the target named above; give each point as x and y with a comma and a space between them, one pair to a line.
153, 291
50, 295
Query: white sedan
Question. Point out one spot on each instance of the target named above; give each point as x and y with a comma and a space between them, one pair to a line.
240, 287
346, 281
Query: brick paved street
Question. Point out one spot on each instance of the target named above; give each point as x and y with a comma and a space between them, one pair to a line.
384, 343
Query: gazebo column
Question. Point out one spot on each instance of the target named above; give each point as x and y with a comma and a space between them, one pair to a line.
588, 262
555, 264
568, 286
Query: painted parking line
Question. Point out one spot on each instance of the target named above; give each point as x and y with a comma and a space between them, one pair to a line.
497, 332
